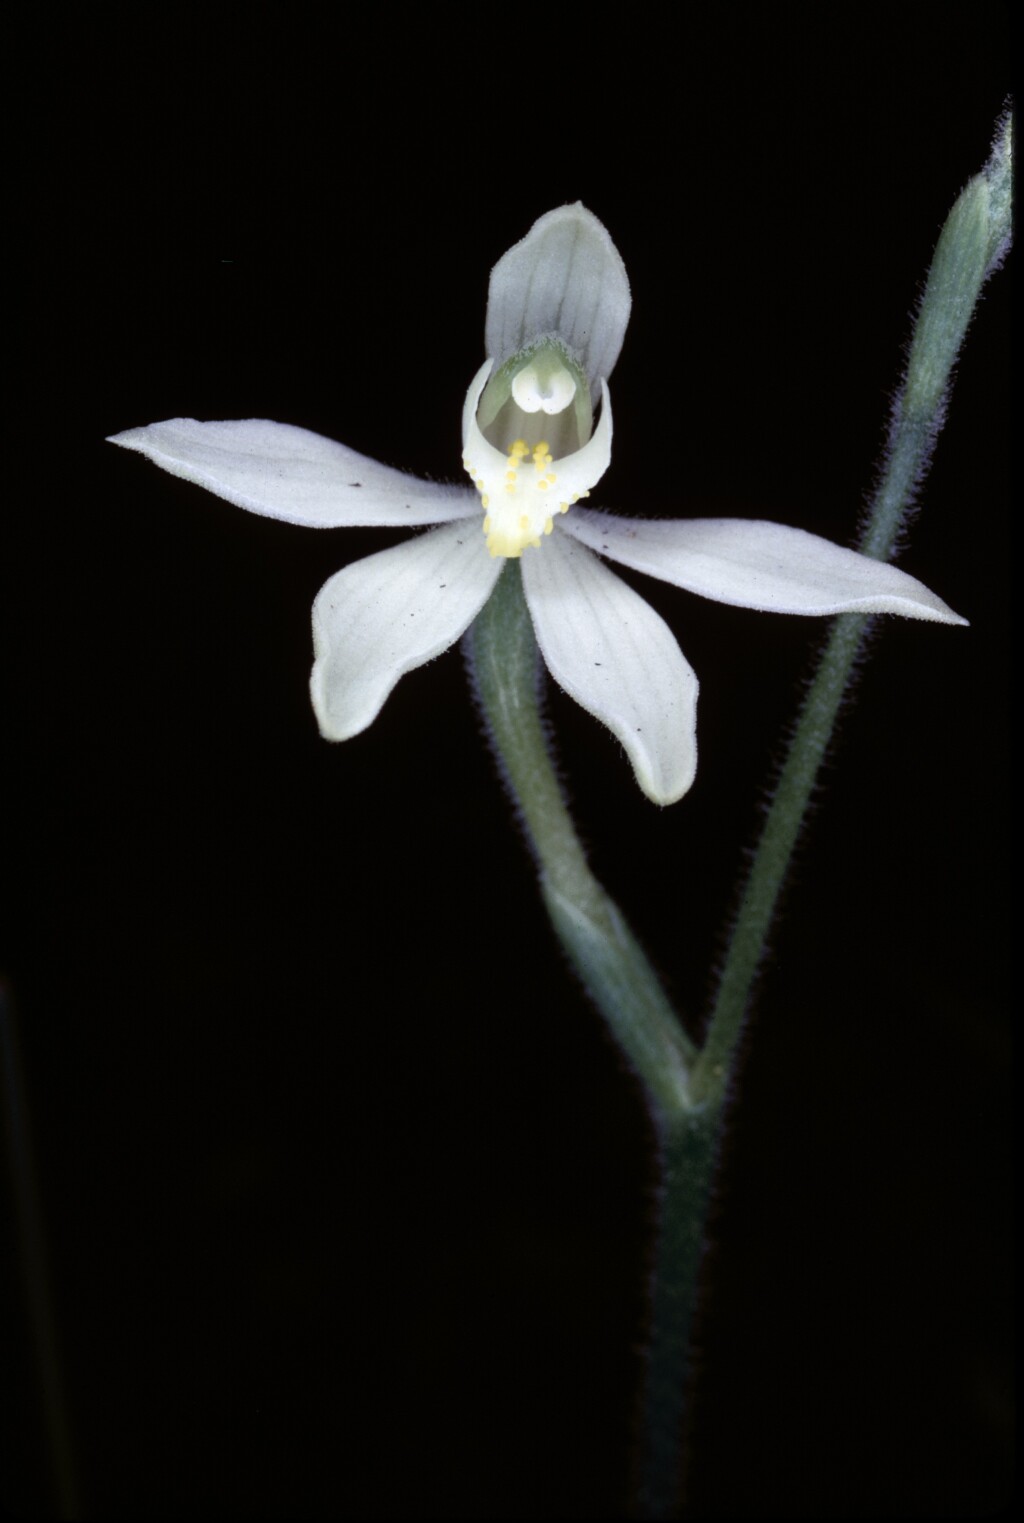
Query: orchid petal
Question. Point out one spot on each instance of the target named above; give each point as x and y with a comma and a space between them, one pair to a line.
566, 277
289, 473
752, 564
383, 616
618, 659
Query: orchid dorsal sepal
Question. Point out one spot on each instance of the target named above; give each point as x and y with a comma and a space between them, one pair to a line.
566, 277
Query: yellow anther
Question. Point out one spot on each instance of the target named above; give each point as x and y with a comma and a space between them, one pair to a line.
549, 525
485, 501
542, 485
510, 475
487, 525
524, 522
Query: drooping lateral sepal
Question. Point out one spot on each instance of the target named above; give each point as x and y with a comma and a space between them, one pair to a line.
389, 613
619, 660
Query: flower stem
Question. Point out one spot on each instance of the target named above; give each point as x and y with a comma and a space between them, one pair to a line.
686, 1088
771, 860
686, 1167
502, 655
972, 244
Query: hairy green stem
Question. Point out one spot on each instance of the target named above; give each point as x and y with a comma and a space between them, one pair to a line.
686, 1088
686, 1166
973, 243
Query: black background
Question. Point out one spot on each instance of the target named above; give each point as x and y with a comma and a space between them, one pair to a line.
345, 1192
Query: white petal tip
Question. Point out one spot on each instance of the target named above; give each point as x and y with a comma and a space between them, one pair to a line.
665, 794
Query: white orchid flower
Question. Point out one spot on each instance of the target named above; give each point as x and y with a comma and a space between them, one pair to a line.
557, 312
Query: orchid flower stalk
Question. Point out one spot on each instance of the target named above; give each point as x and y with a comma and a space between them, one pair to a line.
515, 562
